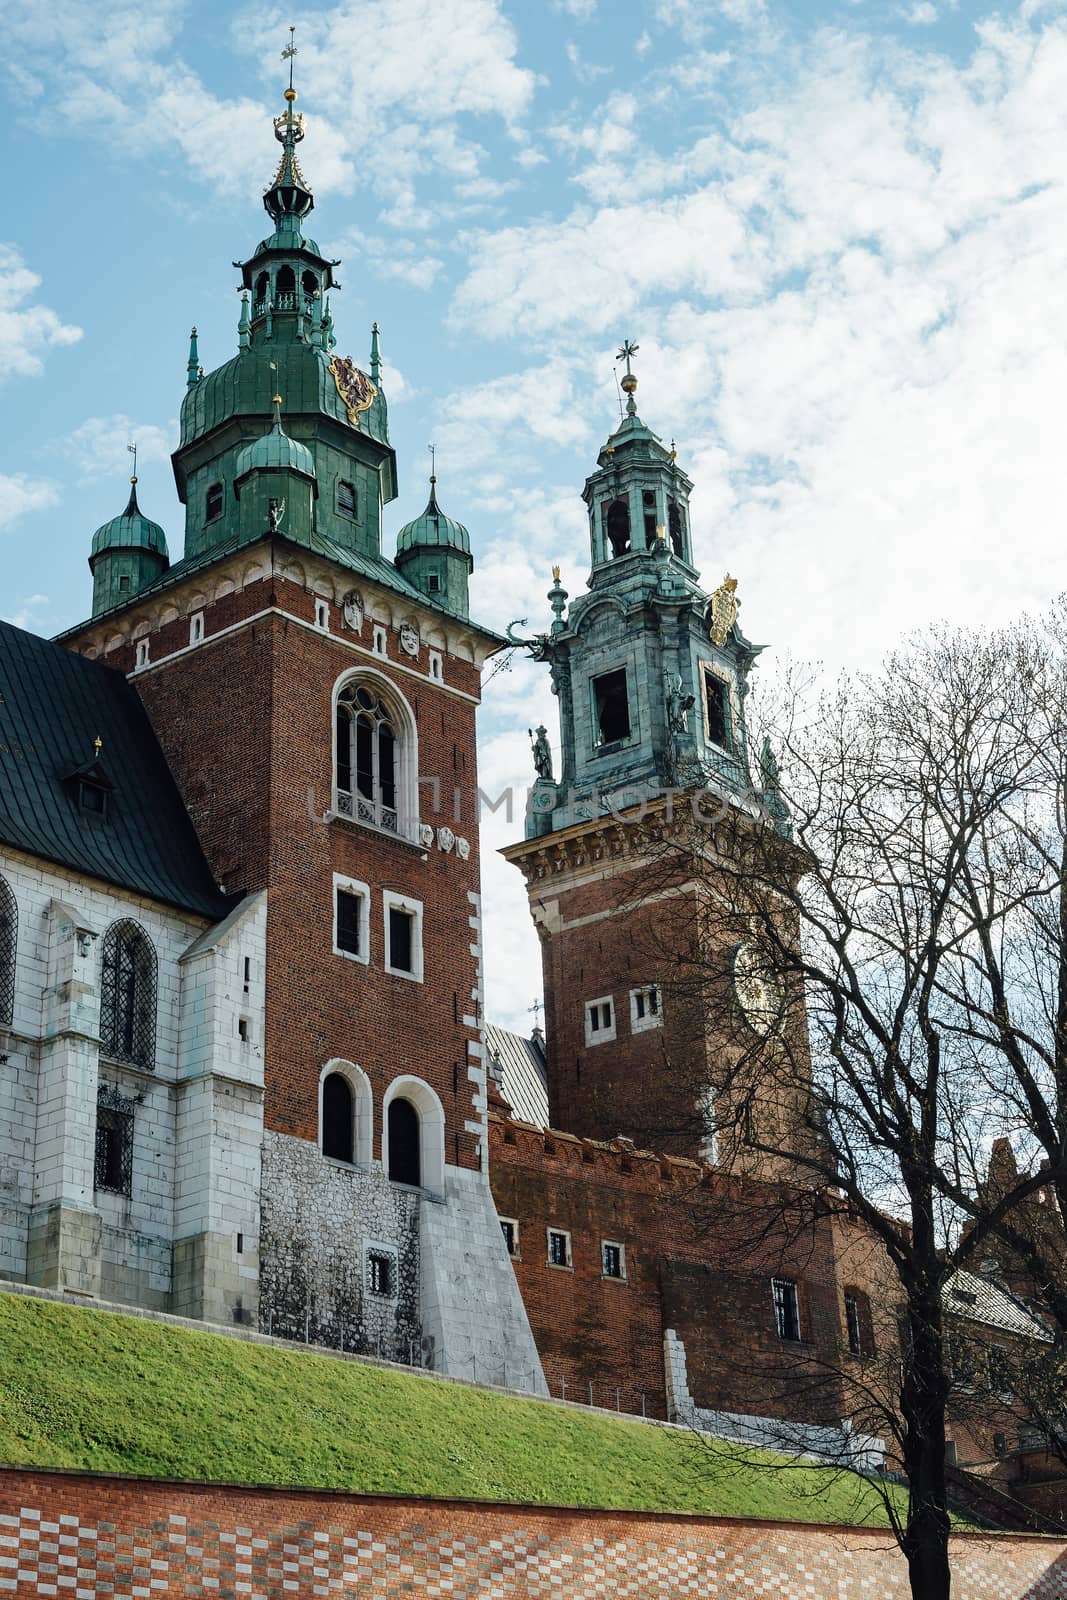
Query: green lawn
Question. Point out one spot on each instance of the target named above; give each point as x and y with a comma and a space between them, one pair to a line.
92, 1389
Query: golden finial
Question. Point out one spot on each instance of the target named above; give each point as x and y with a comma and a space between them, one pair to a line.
275, 399
555, 574
98, 744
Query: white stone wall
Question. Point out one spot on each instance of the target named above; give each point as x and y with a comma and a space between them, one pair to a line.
53, 1225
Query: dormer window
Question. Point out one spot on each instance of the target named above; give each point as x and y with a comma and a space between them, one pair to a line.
92, 797
617, 526
213, 502
346, 499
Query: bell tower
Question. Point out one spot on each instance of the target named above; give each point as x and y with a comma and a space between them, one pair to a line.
651, 674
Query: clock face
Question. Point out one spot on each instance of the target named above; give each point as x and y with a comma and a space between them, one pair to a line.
759, 992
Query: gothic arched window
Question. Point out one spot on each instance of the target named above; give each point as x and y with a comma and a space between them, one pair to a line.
368, 757
310, 285
128, 995
259, 304
285, 289
338, 1118
404, 1140
617, 523
9, 931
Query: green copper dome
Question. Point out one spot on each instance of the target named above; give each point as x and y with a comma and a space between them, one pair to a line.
276, 452
131, 531
433, 528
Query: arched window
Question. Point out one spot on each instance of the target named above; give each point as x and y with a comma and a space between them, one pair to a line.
310, 285
9, 931
128, 995
259, 304
617, 522
676, 526
367, 757
338, 1118
285, 290
346, 498
213, 502
405, 1165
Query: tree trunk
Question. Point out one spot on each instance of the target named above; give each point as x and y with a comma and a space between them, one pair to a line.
923, 1396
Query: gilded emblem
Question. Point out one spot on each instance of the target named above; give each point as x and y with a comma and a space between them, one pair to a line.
354, 387
722, 612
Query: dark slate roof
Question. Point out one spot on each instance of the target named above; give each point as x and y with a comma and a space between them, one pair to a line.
523, 1076
980, 1299
53, 705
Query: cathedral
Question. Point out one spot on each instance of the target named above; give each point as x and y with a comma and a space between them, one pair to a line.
246, 1074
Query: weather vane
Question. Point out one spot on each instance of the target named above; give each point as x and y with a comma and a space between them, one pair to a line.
132, 448
289, 52
628, 349
432, 448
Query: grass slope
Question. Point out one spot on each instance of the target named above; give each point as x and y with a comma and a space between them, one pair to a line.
92, 1389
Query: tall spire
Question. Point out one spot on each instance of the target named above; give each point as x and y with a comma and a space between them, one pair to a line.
193, 364
288, 195
375, 357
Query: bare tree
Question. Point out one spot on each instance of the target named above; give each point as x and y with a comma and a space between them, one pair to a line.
870, 962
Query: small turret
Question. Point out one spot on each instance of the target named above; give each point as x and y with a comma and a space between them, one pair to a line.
276, 484
128, 553
434, 553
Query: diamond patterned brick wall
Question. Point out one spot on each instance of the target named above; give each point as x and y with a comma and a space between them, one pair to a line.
88, 1536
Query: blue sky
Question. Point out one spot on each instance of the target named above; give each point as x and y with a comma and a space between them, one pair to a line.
838, 232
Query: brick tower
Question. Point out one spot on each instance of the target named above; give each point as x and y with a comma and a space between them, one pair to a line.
316, 703
651, 674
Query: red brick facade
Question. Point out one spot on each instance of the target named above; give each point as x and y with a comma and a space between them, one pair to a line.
89, 1536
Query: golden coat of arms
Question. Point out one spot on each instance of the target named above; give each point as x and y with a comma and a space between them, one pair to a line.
354, 387
722, 612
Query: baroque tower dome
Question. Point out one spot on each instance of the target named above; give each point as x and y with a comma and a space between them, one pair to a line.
434, 553
126, 555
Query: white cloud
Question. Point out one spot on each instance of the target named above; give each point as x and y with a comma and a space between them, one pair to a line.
27, 613
582, 9
98, 446
535, 405
410, 260
28, 330
695, 17
585, 71
922, 14
19, 494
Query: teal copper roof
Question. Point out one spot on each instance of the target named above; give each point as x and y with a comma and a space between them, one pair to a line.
131, 531
433, 528
275, 451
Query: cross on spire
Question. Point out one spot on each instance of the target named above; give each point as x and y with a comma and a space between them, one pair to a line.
432, 448
132, 448
628, 350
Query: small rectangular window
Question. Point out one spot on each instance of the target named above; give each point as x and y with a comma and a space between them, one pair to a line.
113, 1168
349, 920
433, 583
196, 627
559, 1248
381, 1273
124, 583
599, 1020
247, 973
242, 1029
213, 502
142, 652
92, 797
786, 1309
612, 707
852, 1323
613, 1259
718, 718
403, 936
346, 499
510, 1229
322, 615
379, 642
645, 1008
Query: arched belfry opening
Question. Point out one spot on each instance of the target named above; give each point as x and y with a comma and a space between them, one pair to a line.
676, 527
617, 524
285, 289
405, 1165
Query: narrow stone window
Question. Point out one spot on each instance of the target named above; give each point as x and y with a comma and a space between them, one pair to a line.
346, 499
433, 583
9, 928
612, 706
113, 1163
612, 1259
599, 1020
852, 1323
510, 1229
142, 653
349, 922
617, 526
338, 1119
405, 1165
381, 1273
786, 1309
676, 527
400, 942
718, 716
559, 1248
196, 627
436, 666
213, 502
322, 615
648, 502
403, 936
645, 1009
243, 1029
128, 995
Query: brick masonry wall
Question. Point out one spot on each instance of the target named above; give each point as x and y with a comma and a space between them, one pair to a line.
89, 1536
